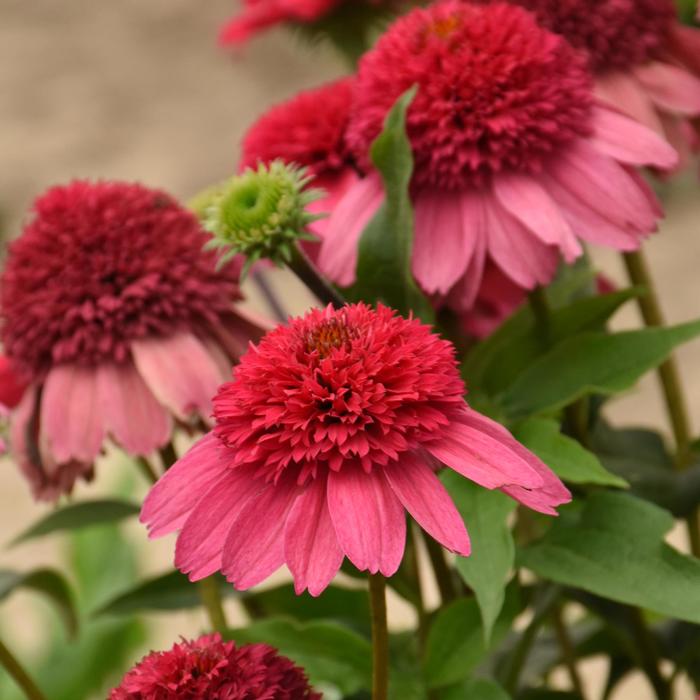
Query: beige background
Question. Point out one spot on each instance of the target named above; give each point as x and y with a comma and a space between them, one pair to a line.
136, 89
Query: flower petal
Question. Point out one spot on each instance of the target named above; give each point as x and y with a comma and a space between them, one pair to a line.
178, 491
369, 519
623, 91
427, 500
311, 548
672, 88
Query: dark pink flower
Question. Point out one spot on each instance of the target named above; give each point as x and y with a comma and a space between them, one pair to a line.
12, 385
646, 64
515, 160
119, 320
308, 130
209, 668
330, 430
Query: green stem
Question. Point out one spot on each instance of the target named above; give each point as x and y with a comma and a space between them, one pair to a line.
540, 310
640, 275
443, 575
567, 650
168, 456
380, 637
414, 569
211, 599
147, 469
20, 676
305, 270
650, 655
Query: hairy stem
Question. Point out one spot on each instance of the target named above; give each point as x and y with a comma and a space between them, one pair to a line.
380, 637
211, 599
414, 569
650, 655
443, 575
19, 675
147, 469
305, 270
567, 650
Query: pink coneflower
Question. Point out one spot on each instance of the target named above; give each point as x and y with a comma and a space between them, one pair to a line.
515, 161
309, 131
119, 320
11, 385
331, 429
208, 668
645, 62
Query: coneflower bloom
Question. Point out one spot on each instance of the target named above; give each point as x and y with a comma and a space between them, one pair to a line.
308, 131
645, 62
515, 161
119, 320
11, 384
331, 429
208, 668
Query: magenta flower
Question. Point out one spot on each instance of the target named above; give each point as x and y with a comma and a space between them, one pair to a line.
11, 384
309, 131
119, 321
646, 64
209, 668
331, 429
515, 161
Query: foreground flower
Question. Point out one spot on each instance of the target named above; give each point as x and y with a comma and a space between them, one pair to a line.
514, 160
308, 131
120, 321
646, 63
332, 426
208, 668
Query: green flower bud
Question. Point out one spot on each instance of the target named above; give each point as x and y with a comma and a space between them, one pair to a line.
261, 213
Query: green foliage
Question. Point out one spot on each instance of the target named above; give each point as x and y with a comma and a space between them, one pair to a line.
384, 256
486, 571
79, 515
615, 548
476, 689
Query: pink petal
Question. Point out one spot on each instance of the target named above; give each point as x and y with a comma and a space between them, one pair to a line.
623, 91
549, 494
445, 238
463, 295
179, 371
427, 500
311, 548
131, 413
170, 501
516, 251
71, 421
254, 548
335, 188
338, 256
626, 140
605, 186
685, 42
239, 328
200, 545
369, 519
486, 459
671, 87
528, 201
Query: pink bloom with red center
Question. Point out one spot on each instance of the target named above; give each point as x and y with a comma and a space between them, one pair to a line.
330, 430
646, 64
515, 161
209, 668
308, 130
120, 321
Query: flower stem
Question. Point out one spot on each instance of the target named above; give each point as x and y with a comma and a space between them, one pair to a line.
380, 637
211, 598
443, 576
414, 569
567, 650
650, 308
540, 310
305, 270
269, 295
650, 657
20, 676
147, 469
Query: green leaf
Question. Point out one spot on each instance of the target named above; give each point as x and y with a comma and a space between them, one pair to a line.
49, 583
616, 549
79, 515
171, 591
566, 457
495, 363
330, 653
486, 571
476, 689
384, 256
456, 645
592, 363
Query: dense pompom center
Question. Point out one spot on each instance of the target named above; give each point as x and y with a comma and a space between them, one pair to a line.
617, 34
101, 264
495, 92
353, 386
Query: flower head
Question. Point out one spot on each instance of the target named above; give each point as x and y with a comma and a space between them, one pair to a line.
515, 160
211, 668
11, 384
261, 213
332, 426
119, 321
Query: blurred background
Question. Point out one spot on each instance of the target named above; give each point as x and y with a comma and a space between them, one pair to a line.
138, 90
